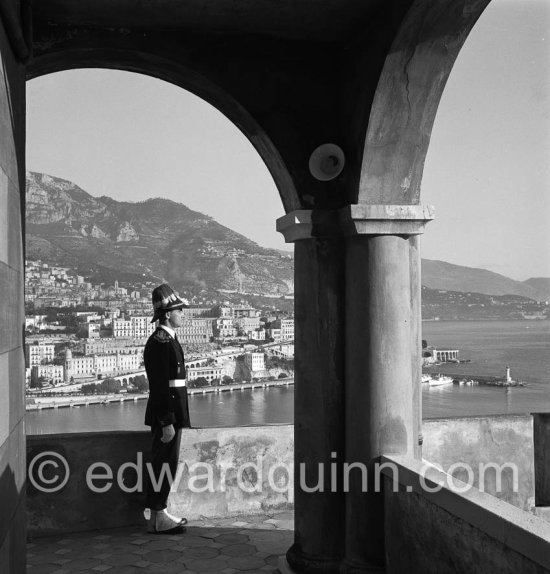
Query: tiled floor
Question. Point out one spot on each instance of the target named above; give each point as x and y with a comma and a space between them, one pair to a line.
250, 544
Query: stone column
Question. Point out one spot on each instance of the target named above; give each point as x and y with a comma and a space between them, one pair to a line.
356, 301
382, 332
319, 274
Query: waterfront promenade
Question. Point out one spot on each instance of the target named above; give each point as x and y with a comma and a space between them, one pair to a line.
41, 403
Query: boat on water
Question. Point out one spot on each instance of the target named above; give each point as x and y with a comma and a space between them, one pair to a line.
440, 380
426, 379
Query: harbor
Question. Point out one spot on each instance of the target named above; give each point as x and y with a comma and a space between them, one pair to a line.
490, 345
473, 380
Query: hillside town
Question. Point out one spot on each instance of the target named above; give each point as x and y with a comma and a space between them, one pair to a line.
78, 333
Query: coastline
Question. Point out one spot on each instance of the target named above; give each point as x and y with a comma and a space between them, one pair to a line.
42, 403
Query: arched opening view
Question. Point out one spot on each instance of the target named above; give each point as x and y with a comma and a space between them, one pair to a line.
131, 182
485, 272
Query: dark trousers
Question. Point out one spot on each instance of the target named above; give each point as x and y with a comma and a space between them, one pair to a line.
163, 455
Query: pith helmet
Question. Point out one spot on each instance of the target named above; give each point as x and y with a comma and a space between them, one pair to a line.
165, 299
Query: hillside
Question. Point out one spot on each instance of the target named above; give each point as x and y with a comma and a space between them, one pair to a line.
158, 239
445, 305
442, 275
541, 284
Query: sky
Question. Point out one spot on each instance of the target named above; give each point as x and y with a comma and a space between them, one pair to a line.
487, 171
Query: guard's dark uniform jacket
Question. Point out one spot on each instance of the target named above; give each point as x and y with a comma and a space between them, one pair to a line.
164, 361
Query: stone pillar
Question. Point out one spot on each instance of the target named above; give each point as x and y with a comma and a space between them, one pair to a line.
382, 403
319, 274
354, 301
12, 314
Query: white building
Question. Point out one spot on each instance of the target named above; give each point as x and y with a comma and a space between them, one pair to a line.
248, 325
255, 361
258, 335
285, 350
224, 328
135, 327
103, 365
36, 354
286, 327
110, 347
432, 355
209, 372
51, 373
122, 328
89, 331
274, 334
35, 321
239, 312
197, 311
195, 331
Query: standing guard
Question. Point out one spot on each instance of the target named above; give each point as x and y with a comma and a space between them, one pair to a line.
167, 409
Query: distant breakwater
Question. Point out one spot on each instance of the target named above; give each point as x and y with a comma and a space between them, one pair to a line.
488, 380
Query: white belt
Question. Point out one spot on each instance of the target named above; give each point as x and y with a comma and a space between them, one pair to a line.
178, 383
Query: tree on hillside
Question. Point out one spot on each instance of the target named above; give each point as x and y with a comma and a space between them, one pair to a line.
272, 362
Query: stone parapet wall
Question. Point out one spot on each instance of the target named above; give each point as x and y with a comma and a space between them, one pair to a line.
224, 472
432, 528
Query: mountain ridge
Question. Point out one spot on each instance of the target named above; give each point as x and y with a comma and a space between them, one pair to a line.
437, 274
162, 239
156, 238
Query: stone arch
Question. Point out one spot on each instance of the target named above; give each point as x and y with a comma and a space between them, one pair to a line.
405, 104
175, 73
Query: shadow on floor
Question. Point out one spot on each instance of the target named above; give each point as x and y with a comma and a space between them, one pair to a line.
228, 546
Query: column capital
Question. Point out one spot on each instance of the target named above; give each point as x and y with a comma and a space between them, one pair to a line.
357, 219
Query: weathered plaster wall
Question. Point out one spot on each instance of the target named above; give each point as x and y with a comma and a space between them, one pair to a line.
208, 485
436, 525
500, 440
12, 378
423, 538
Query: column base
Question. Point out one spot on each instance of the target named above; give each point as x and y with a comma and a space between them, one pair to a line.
300, 562
348, 567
